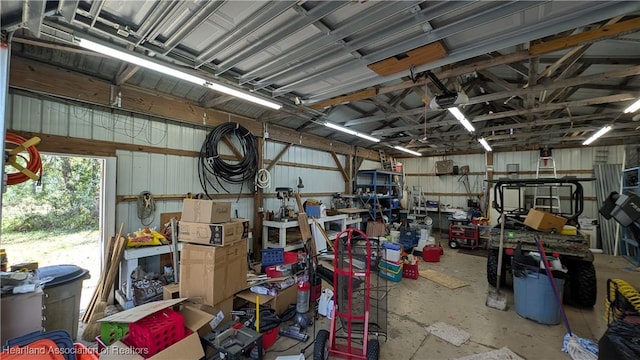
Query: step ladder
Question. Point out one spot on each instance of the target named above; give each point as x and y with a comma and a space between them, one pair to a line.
547, 198
389, 164
418, 204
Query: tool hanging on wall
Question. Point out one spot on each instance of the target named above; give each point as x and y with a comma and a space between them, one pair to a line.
213, 168
32, 168
146, 208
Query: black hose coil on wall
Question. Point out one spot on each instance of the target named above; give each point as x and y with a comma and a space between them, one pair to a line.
212, 168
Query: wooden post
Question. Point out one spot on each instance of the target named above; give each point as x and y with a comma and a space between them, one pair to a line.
489, 157
258, 204
348, 186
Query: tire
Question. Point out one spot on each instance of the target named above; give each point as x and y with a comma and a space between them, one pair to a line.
582, 283
373, 349
492, 268
321, 346
453, 244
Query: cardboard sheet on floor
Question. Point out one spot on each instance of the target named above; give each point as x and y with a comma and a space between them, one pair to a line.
442, 279
501, 354
448, 333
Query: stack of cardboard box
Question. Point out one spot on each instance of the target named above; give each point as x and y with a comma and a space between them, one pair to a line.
213, 260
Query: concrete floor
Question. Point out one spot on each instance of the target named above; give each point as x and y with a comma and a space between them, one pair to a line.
415, 304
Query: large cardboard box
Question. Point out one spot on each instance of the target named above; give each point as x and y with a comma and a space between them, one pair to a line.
544, 221
220, 234
211, 272
205, 211
280, 303
187, 348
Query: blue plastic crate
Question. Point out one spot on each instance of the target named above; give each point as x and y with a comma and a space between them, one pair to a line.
408, 239
272, 257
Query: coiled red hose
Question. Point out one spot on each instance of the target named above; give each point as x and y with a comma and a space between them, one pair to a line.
34, 163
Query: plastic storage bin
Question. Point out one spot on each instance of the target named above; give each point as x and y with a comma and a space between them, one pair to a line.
533, 294
62, 297
272, 257
410, 271
156, 332
392, 252
390, 271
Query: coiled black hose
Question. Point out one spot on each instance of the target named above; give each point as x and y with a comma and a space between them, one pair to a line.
212, 167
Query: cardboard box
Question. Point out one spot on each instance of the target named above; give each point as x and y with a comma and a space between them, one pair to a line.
280, 303
171, 291
221, 234
221, 314
544, 221
205, 211
187, 348
211, 272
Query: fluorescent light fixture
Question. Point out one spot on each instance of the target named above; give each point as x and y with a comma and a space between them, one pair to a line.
136, 60
599, 133
463, 120
407, 150
633, 107
485, 144
349, 131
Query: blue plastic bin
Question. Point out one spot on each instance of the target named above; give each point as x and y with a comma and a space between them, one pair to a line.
534, 298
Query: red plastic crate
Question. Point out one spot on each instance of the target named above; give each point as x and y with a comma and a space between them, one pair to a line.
156, 332
410, 271
290, 257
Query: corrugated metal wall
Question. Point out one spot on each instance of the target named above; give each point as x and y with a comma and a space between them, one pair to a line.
163, 174
172, 174
421, 172
314, 180
576, 162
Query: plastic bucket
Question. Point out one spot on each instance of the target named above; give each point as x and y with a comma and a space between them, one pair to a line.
395, 235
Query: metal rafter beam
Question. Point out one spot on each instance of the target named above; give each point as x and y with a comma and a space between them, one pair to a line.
418, 19
524, 34
67, 9
248, 26
475, 19
318, 12
378, 13
32, 15
193, 22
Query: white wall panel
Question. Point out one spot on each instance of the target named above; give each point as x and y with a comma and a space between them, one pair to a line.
55, 118
26, 113
80, 122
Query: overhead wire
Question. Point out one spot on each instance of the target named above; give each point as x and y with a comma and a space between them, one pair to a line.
213, 169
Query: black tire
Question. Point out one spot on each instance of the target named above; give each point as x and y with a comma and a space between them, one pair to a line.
373, 349
321, 346
492, 268
582, 283
453, 244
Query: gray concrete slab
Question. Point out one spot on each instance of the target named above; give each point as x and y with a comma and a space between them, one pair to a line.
414, 304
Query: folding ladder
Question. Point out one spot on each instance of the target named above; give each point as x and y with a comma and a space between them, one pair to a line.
547, 198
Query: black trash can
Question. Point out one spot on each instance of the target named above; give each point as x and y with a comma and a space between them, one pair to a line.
61, 310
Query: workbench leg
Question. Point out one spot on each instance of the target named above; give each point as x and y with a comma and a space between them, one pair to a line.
282, 237
265, 237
